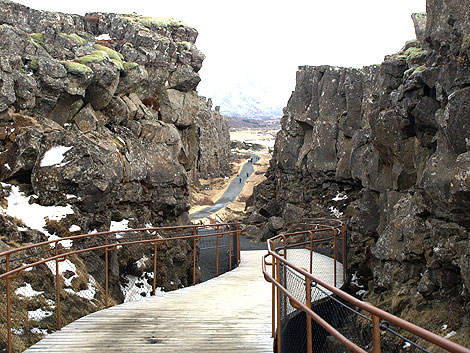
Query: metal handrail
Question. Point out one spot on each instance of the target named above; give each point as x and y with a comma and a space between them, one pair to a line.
61, 253
376, 313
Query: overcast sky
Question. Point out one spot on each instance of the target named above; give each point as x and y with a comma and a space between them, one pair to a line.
264, 41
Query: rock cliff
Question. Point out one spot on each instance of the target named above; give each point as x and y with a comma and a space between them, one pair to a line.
387, 148
99, 116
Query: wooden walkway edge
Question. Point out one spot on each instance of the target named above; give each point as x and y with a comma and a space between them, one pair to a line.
231, 313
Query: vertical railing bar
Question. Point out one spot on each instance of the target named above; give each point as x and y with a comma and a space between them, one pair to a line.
8, 303
334, 252
278, 275
155, 249
57, 281
230, 246
343, 231
217, 254
106, 301
376, 334
308, 303
194, 256
273, 304
311, 251
238, 244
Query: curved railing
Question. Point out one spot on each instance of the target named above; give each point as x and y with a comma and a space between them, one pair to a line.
140, 246
330, 318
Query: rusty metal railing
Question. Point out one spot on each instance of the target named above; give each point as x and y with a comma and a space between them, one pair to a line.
327, 238
21, 260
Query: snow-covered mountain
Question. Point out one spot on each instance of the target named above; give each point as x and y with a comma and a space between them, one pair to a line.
247, 100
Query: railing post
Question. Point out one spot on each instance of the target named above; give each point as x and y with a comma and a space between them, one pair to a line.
238, 244
217, 253
230, 246
278, 278
194, 256
376, 334
308, 302
57, 284
155, 248
343, 234
273, 304
311, 251
8, 289
106, 302
334, 252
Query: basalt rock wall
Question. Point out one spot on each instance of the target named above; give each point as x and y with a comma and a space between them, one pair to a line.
387, 148
100, 113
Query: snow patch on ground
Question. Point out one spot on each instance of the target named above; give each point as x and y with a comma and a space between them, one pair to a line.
27, 291
335, 212
450, 334
38, 314
39, 331
141, 262
64, 266
123, 225
34, 215
18, 332
104, 36
138, 287
54, 156
88, 293
339, 196
74, 228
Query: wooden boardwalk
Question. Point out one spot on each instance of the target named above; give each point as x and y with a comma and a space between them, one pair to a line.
231, 313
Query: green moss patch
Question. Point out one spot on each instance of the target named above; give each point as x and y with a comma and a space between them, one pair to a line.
76, 68
33, 42
153, 21
413, 52
113, 54
129, 66
34, 64
96, 56
75, 37
186, 45
37, 36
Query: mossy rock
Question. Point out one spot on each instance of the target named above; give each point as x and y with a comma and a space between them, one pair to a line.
34, 64
413, 52
33, 42
113, 54
292, 133
76, 68
118, 63
153, 21
96, 56
413, 71
37, 37
129, 66
186, 45
74, 37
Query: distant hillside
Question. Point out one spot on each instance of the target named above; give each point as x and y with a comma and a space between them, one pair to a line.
238, 123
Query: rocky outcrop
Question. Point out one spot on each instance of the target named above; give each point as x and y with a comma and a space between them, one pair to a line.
386, 147
214, 141
100, 113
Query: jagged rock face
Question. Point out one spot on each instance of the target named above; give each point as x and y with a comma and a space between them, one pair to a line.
214, 141
120, 91
101, 112
388, 146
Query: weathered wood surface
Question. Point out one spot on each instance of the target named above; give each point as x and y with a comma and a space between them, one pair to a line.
231, 313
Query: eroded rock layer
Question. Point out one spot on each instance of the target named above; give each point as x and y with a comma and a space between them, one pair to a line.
386, 147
